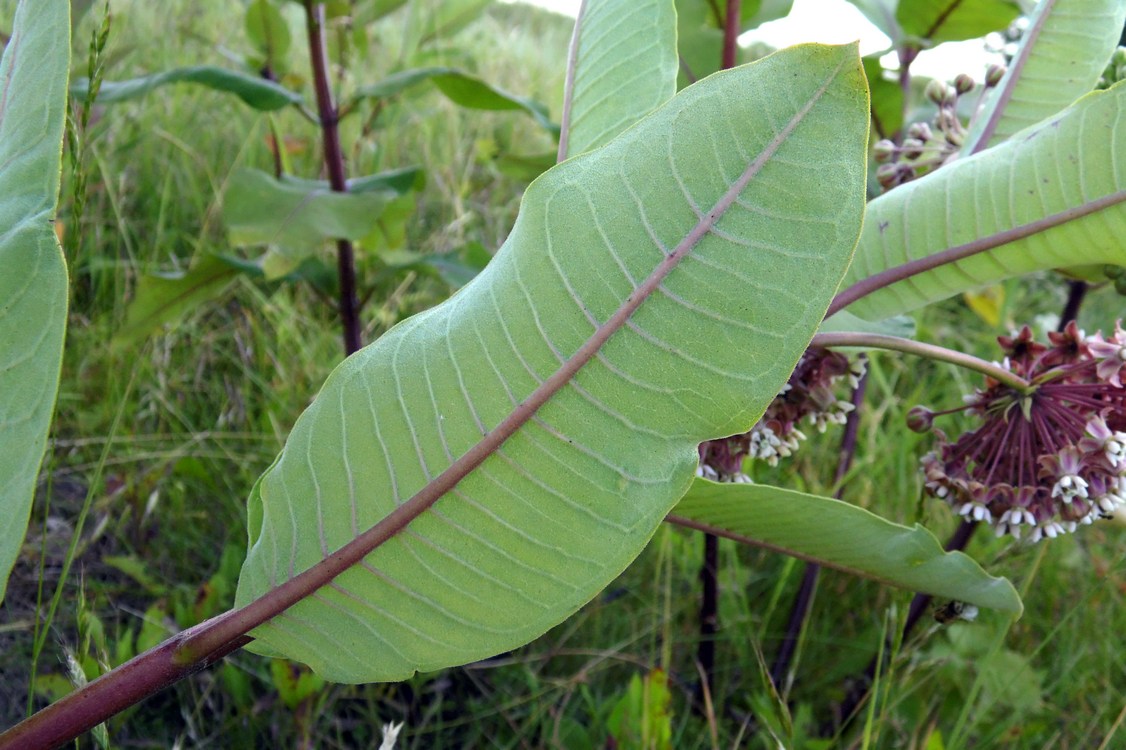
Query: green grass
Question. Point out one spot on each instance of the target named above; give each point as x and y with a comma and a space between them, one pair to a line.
205, 406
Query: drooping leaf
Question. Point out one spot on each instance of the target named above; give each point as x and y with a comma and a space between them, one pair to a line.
267, 31
165, 298
953, 20
842, 536
621, 66
460, 88
258, 93
484, 468
294, 215
1060, 58
1050, 196
33, 279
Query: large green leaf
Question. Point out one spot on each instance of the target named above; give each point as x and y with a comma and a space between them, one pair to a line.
842, 536
294, 215
484, 468
1060, 58
33, 280
459, 87
1050, 196
259, 93
622, 65
952, 20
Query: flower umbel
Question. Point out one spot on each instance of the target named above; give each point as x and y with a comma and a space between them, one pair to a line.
808, 396
1047, 460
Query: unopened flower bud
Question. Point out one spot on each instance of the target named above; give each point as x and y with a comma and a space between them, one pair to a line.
883, 151
993, 75
963, 83
920, 419
913, 148
887, 175
936, 91
920, 130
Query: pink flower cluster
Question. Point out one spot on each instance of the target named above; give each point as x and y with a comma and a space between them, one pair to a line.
808, 396
1043, 461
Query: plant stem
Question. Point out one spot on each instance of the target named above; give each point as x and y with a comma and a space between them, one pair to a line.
709, 619
731, 34
889, 276
1076, 292
930, 351
334, 163
799, 611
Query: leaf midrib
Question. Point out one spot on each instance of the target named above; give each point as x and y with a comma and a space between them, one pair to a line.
1016, 68
305, 583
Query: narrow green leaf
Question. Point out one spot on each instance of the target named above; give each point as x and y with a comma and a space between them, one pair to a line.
459, 87
842, 536
486, 467
953, 20
1050, 196
294, 215
33, 279
166, 298
621, 66
258, 93
1061, 56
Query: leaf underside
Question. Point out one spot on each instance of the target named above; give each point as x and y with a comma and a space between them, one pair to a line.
1066, 167
747, 191
624, 60
1060, 58
846, 538
33, 282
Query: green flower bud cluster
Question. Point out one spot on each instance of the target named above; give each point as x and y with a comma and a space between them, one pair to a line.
1115, 69
927, 146
1117, 276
